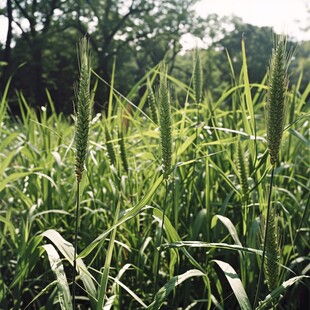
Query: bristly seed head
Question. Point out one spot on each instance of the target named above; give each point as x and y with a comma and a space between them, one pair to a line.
152, 102
272, 253
197, 78
165, 121
276, 101
83, 109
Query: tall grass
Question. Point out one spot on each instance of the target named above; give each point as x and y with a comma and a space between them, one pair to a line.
170, 211
276, 105
81, 138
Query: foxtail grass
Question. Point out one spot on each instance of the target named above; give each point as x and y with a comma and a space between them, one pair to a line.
83, 110
123, 152
243, 179
165, 122
166, 152
242, 171
197, 78
276, 101
272, 253
152, 102
109, 145
81, 137
198, 89
276, 105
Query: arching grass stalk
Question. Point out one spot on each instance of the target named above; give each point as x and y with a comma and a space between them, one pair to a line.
152, 102
166, 146
198, 88
109, 145
81, 138
165, 122
243, 179
276, 105
197, 78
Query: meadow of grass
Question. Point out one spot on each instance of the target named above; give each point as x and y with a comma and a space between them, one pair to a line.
172, 203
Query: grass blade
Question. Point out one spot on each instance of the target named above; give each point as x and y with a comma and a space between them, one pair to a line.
229, 225
64, 296
67, 250
127, 216
235, 284
171, 285
270, 298
105, 274
201, 244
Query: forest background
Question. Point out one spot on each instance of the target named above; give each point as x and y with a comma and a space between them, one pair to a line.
40, 47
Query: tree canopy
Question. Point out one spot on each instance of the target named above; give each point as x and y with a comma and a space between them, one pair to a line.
137, 34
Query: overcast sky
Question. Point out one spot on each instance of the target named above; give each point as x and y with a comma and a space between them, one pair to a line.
282, 15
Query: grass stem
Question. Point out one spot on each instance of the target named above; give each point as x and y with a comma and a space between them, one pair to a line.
76, 230
260, 277
160, 239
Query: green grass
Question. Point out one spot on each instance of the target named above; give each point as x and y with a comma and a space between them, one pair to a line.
203, 220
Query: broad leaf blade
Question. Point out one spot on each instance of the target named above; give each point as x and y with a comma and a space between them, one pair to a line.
64, 295
235, 284
278, 291
230, 227
67, 250
171, 285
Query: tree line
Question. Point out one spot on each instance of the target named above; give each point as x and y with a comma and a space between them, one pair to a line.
135, 34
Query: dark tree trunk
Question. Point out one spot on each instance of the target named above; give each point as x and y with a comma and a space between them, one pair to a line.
7, 49
37, 66
103, 92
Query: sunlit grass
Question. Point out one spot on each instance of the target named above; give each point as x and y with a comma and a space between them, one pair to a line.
203, 220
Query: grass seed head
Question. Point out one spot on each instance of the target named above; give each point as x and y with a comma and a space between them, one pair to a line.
272, 253
83, 109
197, 78
165, 121
110, 148
277, 88
242, 170
152, 102
123, 151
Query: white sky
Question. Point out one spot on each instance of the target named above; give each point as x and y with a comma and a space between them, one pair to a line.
282, 15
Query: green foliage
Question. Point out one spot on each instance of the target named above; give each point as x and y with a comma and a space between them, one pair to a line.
199, 224
105, 274
140, 34
235, 284
64, 295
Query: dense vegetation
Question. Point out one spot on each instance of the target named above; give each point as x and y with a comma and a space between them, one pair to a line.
137, 34
169, 219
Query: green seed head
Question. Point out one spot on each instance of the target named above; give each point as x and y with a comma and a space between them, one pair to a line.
152, 102
242, 170
109, 145
83, 110
197, 78
277, 89
165, 121
272, 254
123, 150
